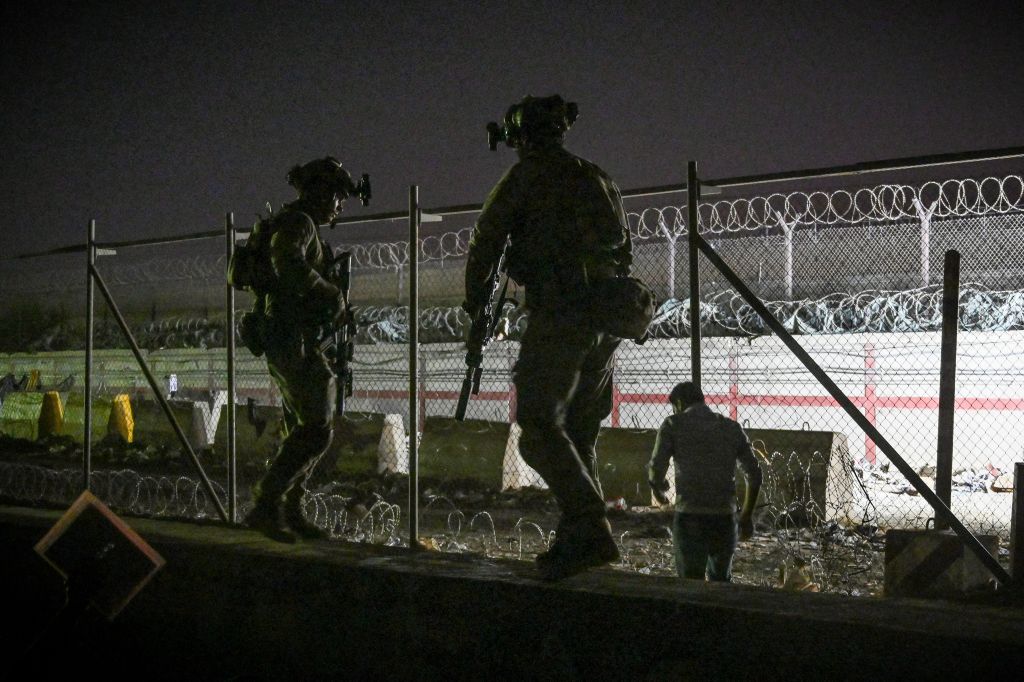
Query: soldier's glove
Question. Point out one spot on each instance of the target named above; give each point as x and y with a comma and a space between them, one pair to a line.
660, 491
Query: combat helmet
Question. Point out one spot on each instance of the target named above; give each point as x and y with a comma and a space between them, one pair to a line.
326, 175
533, 119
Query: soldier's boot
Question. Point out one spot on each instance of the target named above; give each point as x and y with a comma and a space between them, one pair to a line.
589, 544
295, 519
267, 517
557, 547
270, 515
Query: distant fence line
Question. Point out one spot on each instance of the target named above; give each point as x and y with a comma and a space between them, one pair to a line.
888, 203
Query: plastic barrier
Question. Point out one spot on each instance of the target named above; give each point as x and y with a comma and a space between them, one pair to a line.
33, 416
122, 420
515, 472
205, 419
393, 451
51, 415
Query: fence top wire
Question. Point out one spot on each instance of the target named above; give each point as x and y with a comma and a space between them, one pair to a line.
934, 200
875, 206
855, 169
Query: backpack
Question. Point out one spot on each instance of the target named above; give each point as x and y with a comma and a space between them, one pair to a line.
249, 268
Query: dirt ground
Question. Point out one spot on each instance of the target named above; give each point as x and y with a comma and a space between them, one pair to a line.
458, 517
465, 516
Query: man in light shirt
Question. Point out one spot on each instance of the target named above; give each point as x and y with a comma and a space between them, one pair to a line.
705, 447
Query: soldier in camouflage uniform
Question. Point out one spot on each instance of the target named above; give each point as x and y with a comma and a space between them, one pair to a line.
294, 304
566, 227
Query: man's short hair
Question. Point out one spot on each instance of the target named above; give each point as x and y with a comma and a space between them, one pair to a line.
686, 393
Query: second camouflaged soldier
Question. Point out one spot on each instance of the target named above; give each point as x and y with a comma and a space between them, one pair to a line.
566, 228
284, 264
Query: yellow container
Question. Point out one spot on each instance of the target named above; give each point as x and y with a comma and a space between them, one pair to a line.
51, 416
122, 422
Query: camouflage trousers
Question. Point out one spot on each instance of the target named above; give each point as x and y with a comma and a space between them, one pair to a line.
307, 386
563, 381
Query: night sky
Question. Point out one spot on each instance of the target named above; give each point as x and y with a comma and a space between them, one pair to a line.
156, 117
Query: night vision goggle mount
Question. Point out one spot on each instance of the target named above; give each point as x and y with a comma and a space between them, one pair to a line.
362, 189
533, 116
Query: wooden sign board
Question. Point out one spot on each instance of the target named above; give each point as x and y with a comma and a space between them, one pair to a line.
98, 554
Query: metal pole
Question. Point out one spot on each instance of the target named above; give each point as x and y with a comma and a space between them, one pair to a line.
873, 167
692, 219
926, 235
158, 392
1017, 526
414, 481
947, 380
229, 337
788, 233
90, 316
941, 510
671, 262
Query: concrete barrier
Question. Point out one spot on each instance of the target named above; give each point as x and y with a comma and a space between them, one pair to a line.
74, 416
19, 416
471, 449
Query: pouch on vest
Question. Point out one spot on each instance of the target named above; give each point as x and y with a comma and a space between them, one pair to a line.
622, 306
250, 329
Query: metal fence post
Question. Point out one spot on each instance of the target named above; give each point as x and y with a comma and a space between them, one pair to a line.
672, 237
788, 232
229, 338
90, 315
1017, 527
414, 255
925, 215
947, 381
693, 219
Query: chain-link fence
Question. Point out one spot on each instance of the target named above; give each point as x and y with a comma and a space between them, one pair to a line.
856, 274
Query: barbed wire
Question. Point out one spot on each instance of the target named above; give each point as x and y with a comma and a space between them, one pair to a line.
882, 203
724, 313
915, 310
955, 198
796, 527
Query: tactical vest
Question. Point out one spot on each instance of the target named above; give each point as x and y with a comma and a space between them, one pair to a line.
250, 267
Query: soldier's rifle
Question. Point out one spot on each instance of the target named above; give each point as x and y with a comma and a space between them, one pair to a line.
481, 333
341, 337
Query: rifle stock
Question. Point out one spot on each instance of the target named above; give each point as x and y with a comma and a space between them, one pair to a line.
470, 385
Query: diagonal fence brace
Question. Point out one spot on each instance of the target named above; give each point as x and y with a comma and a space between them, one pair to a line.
941, 510
94, 273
